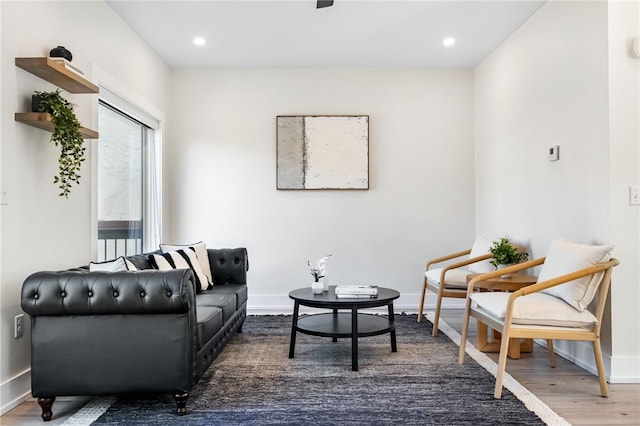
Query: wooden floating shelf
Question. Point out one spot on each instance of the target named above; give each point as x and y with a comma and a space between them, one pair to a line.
42, 120
56, 73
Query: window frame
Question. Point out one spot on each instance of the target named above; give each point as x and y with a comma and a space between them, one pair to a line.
152, 155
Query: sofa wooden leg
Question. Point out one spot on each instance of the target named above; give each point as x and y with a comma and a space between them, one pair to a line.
181, 403
240, 330
46, 404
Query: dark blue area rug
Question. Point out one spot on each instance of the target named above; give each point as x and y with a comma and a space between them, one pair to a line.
253, 382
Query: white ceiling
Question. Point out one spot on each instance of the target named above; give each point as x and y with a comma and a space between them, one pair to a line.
352, 33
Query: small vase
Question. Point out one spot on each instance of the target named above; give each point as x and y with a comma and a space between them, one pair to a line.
317, 287
502, 267
35, 103
60, 52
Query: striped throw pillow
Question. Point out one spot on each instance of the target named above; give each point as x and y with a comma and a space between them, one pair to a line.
201, 253
181, 259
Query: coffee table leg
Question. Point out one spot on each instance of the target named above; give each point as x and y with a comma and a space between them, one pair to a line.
335, 319
294, 326
354, 339
394, 347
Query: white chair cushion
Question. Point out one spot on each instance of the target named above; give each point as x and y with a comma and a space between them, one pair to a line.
481, 246
564, 257
535, 309
453, 278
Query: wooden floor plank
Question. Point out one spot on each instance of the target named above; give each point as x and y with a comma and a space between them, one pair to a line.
569, 390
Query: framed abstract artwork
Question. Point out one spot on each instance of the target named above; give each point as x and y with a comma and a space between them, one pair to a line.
322, 151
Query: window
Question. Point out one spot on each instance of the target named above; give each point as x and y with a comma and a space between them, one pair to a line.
128, 184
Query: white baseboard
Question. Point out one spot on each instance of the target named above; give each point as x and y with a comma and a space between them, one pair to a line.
581, 354
15, 391
624, 369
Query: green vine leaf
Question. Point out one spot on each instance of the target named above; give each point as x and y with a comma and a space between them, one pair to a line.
66, 134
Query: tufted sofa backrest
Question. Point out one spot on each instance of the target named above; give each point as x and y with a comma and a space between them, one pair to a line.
97, 293
229, 265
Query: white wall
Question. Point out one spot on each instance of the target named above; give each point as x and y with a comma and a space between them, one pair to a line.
624, 171
40, 230
555, 81
421, 198
548, 84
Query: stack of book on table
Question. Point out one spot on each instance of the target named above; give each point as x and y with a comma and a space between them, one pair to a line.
356, 291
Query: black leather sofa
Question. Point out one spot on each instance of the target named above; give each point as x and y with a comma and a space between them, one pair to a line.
110, 333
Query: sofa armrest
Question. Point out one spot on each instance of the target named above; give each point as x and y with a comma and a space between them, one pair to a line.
76, 292
229, 265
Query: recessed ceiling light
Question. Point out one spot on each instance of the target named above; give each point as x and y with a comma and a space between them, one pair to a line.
199, 41
449, 41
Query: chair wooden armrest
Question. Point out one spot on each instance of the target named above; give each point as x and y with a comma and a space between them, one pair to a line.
459, 264
469, 261
440, 289
446, 257
568, 277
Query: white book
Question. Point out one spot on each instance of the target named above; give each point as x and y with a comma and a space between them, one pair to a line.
357, 289
68, 65
356, 296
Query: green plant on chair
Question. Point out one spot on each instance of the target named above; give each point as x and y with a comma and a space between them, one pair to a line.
66, 135
505, 253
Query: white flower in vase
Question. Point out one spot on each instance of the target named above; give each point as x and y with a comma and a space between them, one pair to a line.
319, 270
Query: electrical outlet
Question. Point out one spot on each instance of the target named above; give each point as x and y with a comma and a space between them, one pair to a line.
634, 195
18, 330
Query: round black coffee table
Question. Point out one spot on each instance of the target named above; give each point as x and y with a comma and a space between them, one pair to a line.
343, 324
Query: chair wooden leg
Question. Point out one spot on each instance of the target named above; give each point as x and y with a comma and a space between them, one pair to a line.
436, 318
465, 331
421, 307
597, 351
502, 364
552, 354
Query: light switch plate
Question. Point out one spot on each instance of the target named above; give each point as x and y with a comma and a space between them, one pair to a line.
554, 153
18, 329
634, 195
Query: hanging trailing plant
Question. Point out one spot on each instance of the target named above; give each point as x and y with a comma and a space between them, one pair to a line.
66, 135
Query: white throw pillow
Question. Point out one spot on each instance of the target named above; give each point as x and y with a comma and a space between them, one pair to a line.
201, 252
536, 308
481, 246
181, 259
564, 257
115, 265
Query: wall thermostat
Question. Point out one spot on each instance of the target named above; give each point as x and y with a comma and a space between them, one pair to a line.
635, 47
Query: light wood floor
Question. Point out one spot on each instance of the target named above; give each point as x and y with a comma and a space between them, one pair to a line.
569, 390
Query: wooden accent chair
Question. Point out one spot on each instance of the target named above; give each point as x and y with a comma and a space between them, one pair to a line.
454, 276
559, 306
